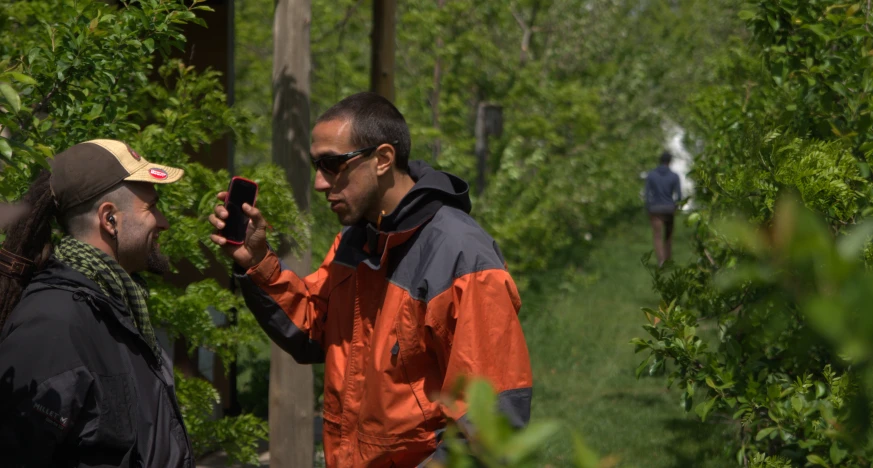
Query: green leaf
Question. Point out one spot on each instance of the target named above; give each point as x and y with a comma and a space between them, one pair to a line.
837, 454
45, 150
11, 96
703, 409
820, 389
816, 460
22, 78
797, 403
747, 15
642, 367
774, 22
481, 403
764, 433
711, 382
5, 149
687, 400
585, 457
840, 88
96, 112
818, 29
525, 443
639, 344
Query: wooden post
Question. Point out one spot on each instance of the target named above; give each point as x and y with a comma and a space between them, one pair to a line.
489, 121
481, 149
435, 94
382, 48
291, 397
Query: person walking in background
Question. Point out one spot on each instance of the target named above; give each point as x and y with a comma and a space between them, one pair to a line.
662, 192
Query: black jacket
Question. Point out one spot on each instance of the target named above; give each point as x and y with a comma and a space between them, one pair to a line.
78, 384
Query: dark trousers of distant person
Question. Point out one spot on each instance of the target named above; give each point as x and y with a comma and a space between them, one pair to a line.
662, 235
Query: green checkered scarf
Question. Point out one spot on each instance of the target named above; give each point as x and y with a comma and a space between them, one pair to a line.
99, 267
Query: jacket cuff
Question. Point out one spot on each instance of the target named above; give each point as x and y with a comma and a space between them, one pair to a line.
267, 271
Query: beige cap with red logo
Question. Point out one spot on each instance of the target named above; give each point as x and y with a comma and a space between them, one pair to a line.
88, 169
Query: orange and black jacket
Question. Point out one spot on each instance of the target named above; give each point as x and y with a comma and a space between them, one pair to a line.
397, 314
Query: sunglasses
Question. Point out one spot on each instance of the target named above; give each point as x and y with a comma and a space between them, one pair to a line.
335, 164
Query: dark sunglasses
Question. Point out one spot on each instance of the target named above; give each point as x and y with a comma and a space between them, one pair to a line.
335, 164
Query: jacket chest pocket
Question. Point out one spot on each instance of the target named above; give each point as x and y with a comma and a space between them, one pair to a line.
397, 421
410, 353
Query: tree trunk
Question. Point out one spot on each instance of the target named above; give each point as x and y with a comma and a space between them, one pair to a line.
382, 48
481, 148
291, 396
435, 96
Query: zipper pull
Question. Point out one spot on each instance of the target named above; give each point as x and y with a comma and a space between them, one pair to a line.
395, 350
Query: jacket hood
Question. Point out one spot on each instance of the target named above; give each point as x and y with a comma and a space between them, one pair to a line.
56, 274
432, 190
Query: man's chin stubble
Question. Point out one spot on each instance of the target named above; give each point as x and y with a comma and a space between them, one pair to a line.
158, 263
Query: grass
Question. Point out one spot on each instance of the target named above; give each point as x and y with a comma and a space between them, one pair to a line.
578, 326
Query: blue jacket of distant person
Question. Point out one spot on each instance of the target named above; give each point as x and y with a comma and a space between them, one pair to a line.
663, 190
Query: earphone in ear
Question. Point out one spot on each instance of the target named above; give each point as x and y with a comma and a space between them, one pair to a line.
111, 220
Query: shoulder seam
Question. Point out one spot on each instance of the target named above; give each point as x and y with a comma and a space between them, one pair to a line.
448, 286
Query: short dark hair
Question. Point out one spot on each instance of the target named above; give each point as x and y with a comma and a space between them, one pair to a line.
666, 157
74, 221
374, 121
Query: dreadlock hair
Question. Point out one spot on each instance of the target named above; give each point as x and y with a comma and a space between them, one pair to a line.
29, 237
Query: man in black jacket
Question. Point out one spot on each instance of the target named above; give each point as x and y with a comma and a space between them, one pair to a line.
83, 381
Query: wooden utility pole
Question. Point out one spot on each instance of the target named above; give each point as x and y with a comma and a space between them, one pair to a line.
435, 94
481, 148
291, 396
382, 48
489, 122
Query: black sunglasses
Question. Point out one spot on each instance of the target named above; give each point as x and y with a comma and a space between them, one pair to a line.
335, 164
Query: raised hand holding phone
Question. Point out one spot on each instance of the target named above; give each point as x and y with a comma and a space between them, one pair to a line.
241, 227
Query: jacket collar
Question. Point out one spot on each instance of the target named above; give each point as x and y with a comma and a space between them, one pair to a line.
369, 243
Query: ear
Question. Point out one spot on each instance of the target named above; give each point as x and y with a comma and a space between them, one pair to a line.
108, 215
384, 159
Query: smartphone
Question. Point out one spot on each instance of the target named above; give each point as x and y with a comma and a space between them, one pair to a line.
239, 191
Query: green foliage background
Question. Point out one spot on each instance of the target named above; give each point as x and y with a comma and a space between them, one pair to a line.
764, 328
768, 326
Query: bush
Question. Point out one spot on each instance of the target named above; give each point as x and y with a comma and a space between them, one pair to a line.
765, 328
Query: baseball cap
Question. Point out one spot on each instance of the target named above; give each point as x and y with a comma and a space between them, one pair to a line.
88, 169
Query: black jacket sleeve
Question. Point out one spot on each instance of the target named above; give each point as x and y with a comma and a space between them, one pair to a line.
46, 397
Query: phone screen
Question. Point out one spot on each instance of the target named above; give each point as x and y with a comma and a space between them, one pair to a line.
240, 191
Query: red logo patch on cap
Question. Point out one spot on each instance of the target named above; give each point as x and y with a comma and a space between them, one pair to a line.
158, 173
133, 153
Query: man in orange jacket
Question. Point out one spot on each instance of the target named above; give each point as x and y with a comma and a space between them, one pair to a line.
412, 295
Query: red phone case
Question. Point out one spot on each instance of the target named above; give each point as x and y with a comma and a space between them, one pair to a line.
229, 188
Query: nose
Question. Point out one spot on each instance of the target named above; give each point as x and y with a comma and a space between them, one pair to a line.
321, 183
163, 224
